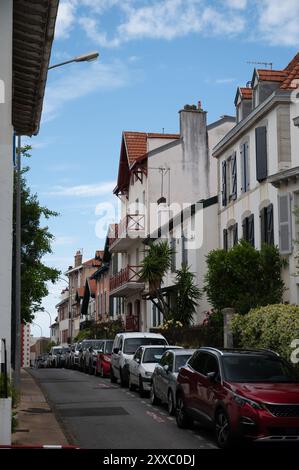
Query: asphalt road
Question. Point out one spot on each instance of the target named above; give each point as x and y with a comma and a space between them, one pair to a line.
96, 414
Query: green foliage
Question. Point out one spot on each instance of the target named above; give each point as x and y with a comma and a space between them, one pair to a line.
156, 263
187, 296
107, 329
271, 327
243, 277
36, 243
15, 396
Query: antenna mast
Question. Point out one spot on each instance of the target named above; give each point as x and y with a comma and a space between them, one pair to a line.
266, 64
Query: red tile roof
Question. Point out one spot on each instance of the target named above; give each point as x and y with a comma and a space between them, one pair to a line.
92, 262
136, 143
272, 75
246, 93
293, 74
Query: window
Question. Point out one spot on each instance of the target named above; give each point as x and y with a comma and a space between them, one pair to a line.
248, 229
245, 167
157, 316
229, 179
267, 228
197, 362
230, 237
285, 224
184, 250
173, 255
211, 364
111, 307
261, 153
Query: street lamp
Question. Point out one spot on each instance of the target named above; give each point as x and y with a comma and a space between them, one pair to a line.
80, 58
17, 362
36, 324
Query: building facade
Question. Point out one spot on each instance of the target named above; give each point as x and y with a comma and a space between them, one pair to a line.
258, 169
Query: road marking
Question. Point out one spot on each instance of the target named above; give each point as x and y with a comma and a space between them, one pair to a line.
155, 417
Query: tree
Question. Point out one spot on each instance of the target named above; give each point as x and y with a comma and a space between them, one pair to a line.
243, 277
187, 295
36, 242
154, 267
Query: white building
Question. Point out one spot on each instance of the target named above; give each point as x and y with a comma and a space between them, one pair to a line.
161, 175
258, 165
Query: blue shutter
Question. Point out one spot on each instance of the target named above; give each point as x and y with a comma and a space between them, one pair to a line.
224, 185
234, 176
261, 153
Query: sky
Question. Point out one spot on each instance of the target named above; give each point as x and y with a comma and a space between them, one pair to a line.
155, 57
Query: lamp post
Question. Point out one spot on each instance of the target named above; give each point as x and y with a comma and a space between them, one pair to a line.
17, 320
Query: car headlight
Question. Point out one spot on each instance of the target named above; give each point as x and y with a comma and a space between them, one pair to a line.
148, 374
241, 401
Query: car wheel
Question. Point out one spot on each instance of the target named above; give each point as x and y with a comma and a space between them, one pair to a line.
223, 430
113, 379
132, 386
170, 403
182, 419
153, 397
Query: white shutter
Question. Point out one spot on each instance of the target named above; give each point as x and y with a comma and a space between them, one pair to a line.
285, 223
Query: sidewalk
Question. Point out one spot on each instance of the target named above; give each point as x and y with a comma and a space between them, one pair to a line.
37, 424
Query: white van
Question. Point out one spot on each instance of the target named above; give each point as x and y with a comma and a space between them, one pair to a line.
124, 347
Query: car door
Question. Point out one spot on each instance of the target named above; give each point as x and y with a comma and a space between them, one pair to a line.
157, 376
134, 366
197, 383
211, 388
164, 379
116, 357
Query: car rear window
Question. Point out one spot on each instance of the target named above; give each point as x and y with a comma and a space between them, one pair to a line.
108, 347
152, 355
257, 369
132, 344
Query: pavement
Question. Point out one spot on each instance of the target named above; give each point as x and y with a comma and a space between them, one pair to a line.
96, 414
37, 424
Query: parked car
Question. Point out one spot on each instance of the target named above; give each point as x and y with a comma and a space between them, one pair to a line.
142, 366
252, 394
54, 356
91, 350
62, 357
164, 378
42, 361
75, 355
103, 361
124, 348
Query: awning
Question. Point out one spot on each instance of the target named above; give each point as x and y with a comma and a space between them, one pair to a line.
33, 33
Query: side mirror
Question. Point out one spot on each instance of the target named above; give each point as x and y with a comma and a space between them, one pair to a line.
212, 376
100, 351
138, 360
50, 354
73, 349
116, 350
91, 348
166, 368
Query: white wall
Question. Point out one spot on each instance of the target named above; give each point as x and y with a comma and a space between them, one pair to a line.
6, 172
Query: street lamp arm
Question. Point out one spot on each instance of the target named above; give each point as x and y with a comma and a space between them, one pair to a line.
80, 58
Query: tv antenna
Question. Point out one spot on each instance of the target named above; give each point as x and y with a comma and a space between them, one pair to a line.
266, 64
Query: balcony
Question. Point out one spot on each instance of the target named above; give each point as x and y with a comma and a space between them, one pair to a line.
126, 282
131, 227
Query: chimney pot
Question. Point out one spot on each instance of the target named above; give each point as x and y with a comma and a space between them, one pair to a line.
78, 258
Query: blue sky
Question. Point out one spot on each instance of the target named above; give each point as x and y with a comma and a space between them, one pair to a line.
155, 57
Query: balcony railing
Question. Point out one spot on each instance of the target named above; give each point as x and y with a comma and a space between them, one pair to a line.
125, 275
129, 225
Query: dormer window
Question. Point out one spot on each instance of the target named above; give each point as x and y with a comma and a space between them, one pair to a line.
264, 83
243, 103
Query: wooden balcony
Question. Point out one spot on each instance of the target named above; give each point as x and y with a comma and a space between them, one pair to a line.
126, 282
125, 233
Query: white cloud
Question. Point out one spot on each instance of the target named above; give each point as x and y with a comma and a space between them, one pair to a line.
90, 78
279, 21
84, 190
65, 19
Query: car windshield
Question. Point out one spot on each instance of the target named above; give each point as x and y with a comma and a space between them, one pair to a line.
97, 344
78, 346
152, 355
86, 344
181, 360
132, 344
257, 369
108, 347
57, 351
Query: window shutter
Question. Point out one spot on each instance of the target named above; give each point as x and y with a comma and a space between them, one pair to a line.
234, 176
245, 229
270, 225
225, 240
285, 228
235, 232
261, 153
251, 229
224, 185
245, 167
242, 169
263, 217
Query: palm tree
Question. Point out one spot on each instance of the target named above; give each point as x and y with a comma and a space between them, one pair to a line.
188, 295
154, 267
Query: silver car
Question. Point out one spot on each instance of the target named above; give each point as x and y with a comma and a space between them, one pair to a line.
164, 377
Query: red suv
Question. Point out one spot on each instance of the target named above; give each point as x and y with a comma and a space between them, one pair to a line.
251, 394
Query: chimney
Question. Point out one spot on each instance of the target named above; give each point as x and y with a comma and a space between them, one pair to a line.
98, 255
196, 165
78, 258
